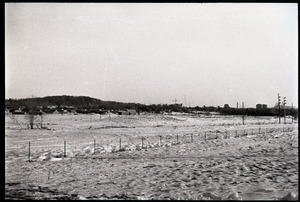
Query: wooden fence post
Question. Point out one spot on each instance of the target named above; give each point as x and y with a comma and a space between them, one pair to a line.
142, 142
94, 146
29, 152
65, 148
191, 137
160, 141
177, 138
120, 144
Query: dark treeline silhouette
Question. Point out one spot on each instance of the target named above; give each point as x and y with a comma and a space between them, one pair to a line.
84, 104
258, 112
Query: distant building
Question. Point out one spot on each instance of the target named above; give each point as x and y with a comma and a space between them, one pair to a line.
55, 111
18, 111
122, 112
52, 107
127, 112
131, 111
261, 106
226, 106
73, 111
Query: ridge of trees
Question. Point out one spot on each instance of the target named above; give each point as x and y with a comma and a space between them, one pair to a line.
84, 102
80, 103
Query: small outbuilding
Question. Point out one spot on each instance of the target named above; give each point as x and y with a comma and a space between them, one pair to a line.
127, 112
131, 111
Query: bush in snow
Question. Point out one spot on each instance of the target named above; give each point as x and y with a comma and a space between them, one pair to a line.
138, 147
87, 150
110, 148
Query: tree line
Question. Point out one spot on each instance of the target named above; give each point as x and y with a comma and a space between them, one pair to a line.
84, 104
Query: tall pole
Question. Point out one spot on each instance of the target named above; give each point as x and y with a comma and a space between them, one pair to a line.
29, 152
279, 107
64, 148
292, 113
243, 113
284, 110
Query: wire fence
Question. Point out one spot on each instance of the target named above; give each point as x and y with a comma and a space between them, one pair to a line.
126, 142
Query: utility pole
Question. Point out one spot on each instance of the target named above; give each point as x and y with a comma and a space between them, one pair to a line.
284, 110
243, 113
292, 113
279, 107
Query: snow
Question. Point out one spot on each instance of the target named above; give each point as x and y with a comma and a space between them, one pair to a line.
235, 161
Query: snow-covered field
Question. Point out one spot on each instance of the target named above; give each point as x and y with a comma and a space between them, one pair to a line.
152, 157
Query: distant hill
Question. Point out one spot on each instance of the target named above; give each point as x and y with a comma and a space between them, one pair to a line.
84, 103
66, 100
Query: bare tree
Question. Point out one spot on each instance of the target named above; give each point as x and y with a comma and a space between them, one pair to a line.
31, 118
41, 115
42, 119
14, 119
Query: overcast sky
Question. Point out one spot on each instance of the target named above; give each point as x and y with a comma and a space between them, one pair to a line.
200, 54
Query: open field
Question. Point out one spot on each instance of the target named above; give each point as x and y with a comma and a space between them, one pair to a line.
161, 157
